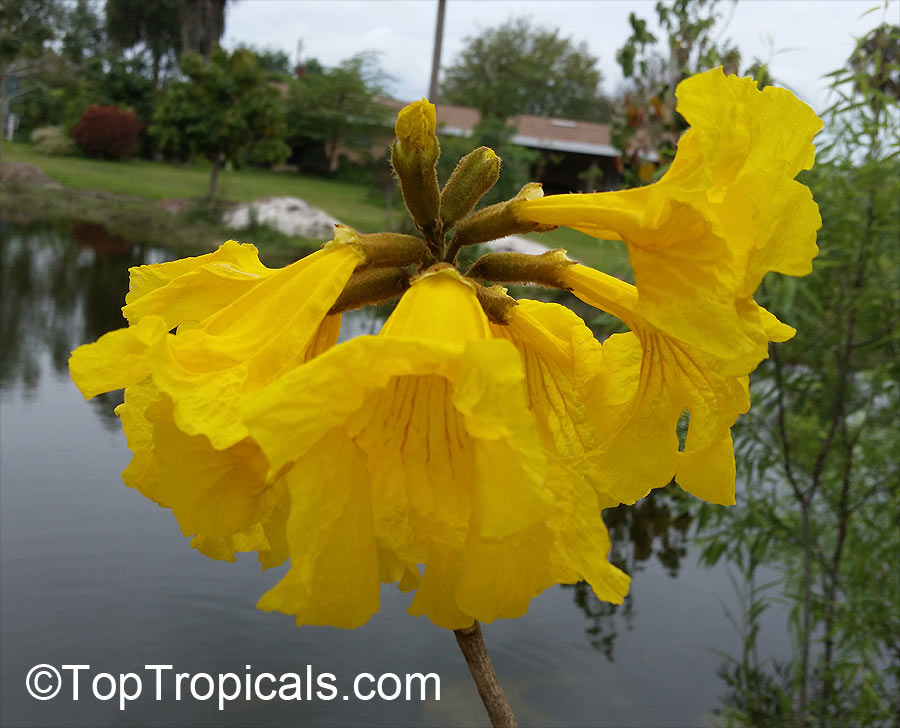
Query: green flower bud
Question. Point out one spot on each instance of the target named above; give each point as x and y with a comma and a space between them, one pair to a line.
474, 175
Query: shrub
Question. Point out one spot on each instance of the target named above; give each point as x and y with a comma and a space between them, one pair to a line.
52, 140
107, 131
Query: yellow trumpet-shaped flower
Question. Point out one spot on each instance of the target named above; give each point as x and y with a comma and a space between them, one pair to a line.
238, 326
700, 240
466, 451
414, 448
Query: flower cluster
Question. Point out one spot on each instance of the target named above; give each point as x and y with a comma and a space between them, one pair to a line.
466, 451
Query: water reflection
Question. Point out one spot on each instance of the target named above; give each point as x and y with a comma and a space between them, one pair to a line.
56, 295
657, 525
94, 573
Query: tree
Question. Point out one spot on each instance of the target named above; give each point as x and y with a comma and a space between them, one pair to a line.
26, 26
646, 128
274, 61
166, 28
202, 24
819, 447
224, 110
337, 108
154, 24
519, 69
84, 39
126, 83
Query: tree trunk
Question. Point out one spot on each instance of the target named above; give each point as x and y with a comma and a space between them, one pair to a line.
156, 64
203, 22
214, 177
3, 107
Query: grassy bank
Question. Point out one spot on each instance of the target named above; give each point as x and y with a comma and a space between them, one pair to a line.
135, 220
134, 187
156, 181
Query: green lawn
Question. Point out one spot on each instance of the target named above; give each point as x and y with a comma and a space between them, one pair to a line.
349, 203
156, 181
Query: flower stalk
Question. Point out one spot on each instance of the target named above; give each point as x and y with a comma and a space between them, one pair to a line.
496, 221
471, 643
545, 269
371, 286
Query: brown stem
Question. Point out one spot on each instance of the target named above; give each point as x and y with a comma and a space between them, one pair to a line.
214, 176
495, 703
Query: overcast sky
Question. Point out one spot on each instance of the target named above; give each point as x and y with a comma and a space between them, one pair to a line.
801, 39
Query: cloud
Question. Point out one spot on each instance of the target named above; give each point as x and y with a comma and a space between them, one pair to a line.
801, 40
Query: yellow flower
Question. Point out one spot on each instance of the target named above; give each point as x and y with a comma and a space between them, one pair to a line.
465, 452
700, 240
417, 447
239, 325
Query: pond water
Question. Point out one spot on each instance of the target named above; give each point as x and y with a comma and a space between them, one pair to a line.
95, 574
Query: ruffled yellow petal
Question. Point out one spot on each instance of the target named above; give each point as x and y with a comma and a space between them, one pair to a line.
281, 322
214, 492
193, 289
218, 485
116, 359
139, 434
726, 212
570, 546
648, 379
271, 329
739, 126
459, 479
334, 574
560, 355
581, 542
224, 549
775, 330
145, 279
221, 497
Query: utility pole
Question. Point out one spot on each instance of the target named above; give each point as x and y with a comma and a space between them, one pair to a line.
299, 68
436, 60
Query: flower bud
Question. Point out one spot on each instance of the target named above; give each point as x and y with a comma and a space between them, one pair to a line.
413, 157
415, 130
474, 175
500, 220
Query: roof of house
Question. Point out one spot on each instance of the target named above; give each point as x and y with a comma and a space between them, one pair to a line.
538, 132
563, 135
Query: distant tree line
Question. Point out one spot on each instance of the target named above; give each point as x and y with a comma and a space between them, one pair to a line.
155, 66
